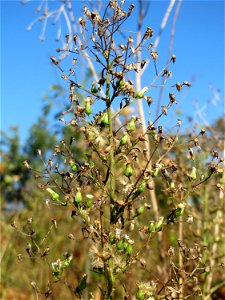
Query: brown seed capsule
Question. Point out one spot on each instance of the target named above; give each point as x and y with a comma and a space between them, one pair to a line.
75, 38
130, 40
143, 63
173, 58
196, 142
187, 83
202, 132
179, 86
172, 97
148, 33
149, 100
215, 154
67, 38
54, 60
164, 110
154, 55
191, 152
26, 164
130, 9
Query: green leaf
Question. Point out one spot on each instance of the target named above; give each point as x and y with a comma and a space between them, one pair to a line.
81, 286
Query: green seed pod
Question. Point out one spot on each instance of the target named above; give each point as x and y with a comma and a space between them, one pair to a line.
125, 245
128, 172
89, 203
88, 107
131, 126
140, 210
121, 83
73, 166
120, 245
140, 295
106, 54
142, 186
159, 223
54, 195
124, 139
94, 89
141, 93
151, 227
66, 262
155, 173
78, 197
172, 185
112, 239
179, 210
129, 249
104, 120
193, 174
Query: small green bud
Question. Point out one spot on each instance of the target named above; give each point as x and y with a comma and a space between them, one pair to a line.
124, 139
141, 93
140, 210
120, 245
128, 172
94, 89
142, 186
54, 195
129, 249
78, 197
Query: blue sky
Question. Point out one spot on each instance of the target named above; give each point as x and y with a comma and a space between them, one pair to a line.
26, 71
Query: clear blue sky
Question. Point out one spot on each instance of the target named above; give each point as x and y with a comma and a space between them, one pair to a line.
26, 71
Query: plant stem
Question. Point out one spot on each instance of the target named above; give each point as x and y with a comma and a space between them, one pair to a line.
111, 143
181, 266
